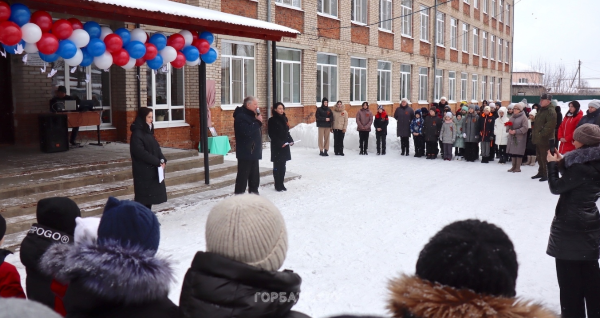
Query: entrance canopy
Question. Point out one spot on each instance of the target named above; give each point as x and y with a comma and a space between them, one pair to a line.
167, 14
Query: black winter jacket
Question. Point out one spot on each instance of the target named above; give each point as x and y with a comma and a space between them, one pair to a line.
145, 160
279, 132
575, 231
590, 118
218, 287
248, 134
381, 121
321, 115
432, 128
486, 127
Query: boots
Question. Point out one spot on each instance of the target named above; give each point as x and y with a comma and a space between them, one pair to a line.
518, 165
532, 162
325, 153
514, 165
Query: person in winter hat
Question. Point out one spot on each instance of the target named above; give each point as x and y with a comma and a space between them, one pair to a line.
55, 226
364, 121
23, 308
575, 232
86, 230
468, 269
486, 131
119, 275
431, 133
530, 151
424, 112
448, 136
509, 111
324, 118
593, 115
493, 146
542, 133
246, 245
517, 137
380, 123
500, 133
416, 128
404, 115
10, 280
459, 143
568, 126
339, 126
471, 133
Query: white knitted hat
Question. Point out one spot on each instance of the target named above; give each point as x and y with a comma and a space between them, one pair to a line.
249, 229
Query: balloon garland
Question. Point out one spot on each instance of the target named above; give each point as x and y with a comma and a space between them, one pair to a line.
81, 44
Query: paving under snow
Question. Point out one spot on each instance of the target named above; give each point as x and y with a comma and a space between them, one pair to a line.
356, 221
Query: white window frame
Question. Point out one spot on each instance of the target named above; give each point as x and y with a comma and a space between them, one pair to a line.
466, 1
384, 81
354, 98
423, 83
465, 36
405, 81
500, 10
464, 82
491, 91
407, 18
320, 67
296, 4
476, 4
333, 4
507, 55
500, 49
280, 85
507, 17
499, 90
453, 33
232, 105
424, 13
484, 44
485, 6
492, 47
493, 9
451, 86
441, 30
168, 106
483, 87
523, 80
385, 15
360, 11
476, 41
474, 86
438, 85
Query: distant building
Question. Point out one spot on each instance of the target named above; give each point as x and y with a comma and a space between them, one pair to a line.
528, 83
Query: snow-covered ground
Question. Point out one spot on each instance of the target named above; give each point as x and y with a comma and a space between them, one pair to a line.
356, 221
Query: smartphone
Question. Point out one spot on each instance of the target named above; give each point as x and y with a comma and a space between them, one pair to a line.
552, 146
258, 111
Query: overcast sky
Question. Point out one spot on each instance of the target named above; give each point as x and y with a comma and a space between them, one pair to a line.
558, 31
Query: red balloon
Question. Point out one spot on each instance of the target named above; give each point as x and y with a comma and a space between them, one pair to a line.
62, 29
121, 57
179, 61
113, 44
194, 34
177, 41
202, 45
43, 19
140, 62
76, 24
48, 44
4, 11
10, 33
151, 51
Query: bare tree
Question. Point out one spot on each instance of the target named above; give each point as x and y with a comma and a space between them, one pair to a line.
558, 79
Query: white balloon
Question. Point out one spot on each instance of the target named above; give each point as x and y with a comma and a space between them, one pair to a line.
103, 61
130, 64
31, 32
169, 54
194, 63
75, 60
80, 37
139, 35
187, 35
31, 48
104, 32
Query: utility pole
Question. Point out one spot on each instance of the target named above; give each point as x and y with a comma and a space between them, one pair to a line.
579, 73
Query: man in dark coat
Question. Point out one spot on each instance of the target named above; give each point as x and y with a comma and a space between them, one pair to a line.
281, 141
324, 118
486, 131
593, 115
404, 115
431, 133
248, 140
471, 133
542, 132
59, 100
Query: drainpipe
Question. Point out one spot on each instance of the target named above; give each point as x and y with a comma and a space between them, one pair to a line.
270, 100
434, 45
512, 49
139, 84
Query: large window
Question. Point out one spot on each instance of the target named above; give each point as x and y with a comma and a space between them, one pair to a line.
407, 17
292, 3
507, 56
492, 47
493, 8
474, 85
485, 6
500, 10
440, 18
452, 86
475, 41
438, 85
423, 79
327, 81
358, 80
453, 33
288, 76
499, 90
384, 81
237, 72
492, 81
500, 50
465, 38
405, 71
359, 10
424, 23
464, 78
483, 87
166, 94
507, 17
476, 4
329, 7
385, 15
484, 43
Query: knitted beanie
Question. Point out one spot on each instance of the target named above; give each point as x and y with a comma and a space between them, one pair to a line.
23, 308
465, 109
519, 106
86, 230
248, 229
588, 134
594, 104
486, 109
473, 255
533, 112
449, 114
405, 100
511, 106
503, 110
58, 213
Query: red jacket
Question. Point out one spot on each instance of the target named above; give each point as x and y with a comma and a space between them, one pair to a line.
566, 130
10, 281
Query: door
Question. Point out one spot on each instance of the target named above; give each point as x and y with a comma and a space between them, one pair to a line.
7, 133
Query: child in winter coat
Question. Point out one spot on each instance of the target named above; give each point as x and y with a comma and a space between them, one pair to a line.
381, 122
431, 132
486, 131
448, 136
364, 120
10, 281
416, 129
459, 143
501, 134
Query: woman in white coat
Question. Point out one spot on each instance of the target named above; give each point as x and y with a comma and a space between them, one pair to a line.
501, 133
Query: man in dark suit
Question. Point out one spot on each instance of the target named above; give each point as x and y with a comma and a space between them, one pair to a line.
59, 100
248, 138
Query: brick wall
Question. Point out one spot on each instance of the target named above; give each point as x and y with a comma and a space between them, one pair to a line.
465, 58
328, 27
290, 18
360, 34
386, 40
476, 60
484, 63
454, 56
441, 52
424, 48
456, 4
245, 8
408, 45
466, 9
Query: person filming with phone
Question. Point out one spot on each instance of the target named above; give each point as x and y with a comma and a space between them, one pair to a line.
248, 139
543, 134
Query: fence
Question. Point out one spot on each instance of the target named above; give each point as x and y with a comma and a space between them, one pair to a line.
560, 98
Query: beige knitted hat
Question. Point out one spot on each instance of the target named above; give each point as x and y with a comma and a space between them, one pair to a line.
587, 134
249, 229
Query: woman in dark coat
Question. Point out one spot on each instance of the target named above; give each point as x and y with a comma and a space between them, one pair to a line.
281, 141
146, 157
575, 233
431, 132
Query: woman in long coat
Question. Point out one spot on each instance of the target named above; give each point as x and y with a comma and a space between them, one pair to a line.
471, 134
281, 141
146, 158
517, 137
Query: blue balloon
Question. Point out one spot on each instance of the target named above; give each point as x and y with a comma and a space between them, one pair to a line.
11, 48
96, 47
207, 36
210, 56
191, 53
66, 49
19, 14
49, 58
93, 29
136, 49
159, 40
87, 58
124, 34
155, 63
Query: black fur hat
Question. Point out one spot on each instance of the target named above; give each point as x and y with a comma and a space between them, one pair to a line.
473, 255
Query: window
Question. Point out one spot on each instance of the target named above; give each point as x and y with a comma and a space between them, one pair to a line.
237, 72
492, 47
463, 86
492, 80
484, 43
453, 33
288, 76
359, 11
474, 87
385, 15
405, 71
358, 80
424, 23
507, 56
291, 3
452, 86
466, 1
327, 81
407, 17
483, 87
485, 6
438, 84
493, 8
499, 90
440, 28
476, 4
166, 94
507, 17
465, 37
500, 50
384, 81
423, 71
523, 81
500, 10
475, 41
328, 7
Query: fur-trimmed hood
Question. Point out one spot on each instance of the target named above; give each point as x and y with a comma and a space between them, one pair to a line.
582, 155
412, 296
110, 271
